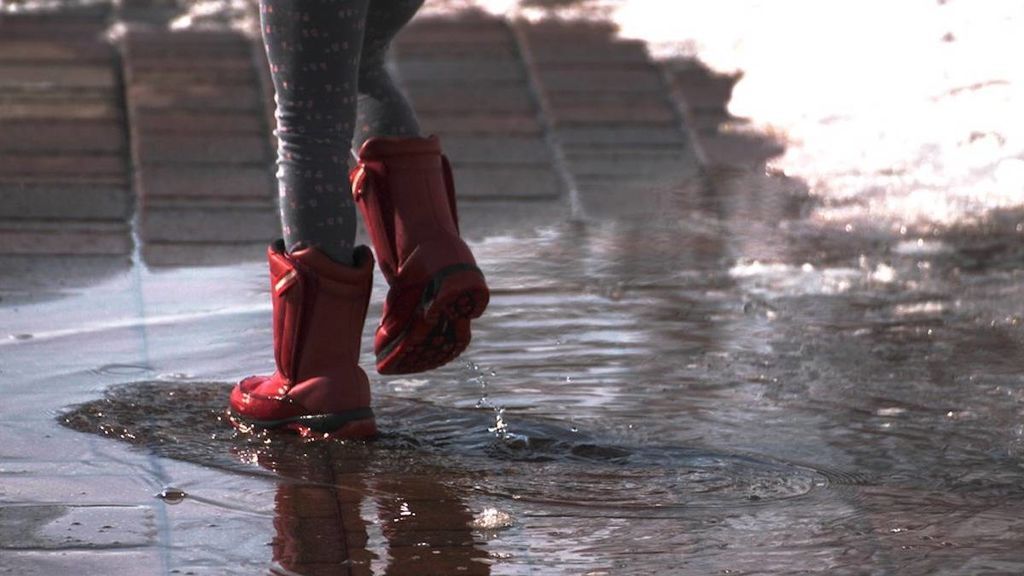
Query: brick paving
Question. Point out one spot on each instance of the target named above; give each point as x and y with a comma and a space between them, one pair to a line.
469, 85
534, 116
65, 185
167, 135
200, 145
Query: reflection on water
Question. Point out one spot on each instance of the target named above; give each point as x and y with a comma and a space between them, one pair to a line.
725, 379
897, 115
681, 393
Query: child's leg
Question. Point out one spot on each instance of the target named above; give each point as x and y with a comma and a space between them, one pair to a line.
314, 50
383, 109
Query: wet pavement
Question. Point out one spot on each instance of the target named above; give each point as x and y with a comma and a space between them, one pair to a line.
685, 368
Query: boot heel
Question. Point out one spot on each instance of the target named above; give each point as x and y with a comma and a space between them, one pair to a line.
457, 292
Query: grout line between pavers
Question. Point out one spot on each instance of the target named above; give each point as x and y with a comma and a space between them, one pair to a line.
545, 116
685, 122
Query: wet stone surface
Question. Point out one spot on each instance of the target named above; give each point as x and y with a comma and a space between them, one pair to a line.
188, 421
684, 369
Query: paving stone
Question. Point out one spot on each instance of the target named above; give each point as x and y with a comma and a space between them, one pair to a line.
499, 183
56, 237
60, 76
196, 97
459, 72
456, 33
20, 28
473, 124
224, 225
212, 181
80, 202
171, 78
549, 33
199, 122
43, 563
604, 136
158, 254
464, 151
56, 527
469, 99
51, 135
66, 166
54, 50
211, 61
546, 54
624, 154
211, 202
701, 88
504, 52
616, 115
58, 111
152, 46
158, 148
583, 80
632, 169
568, 99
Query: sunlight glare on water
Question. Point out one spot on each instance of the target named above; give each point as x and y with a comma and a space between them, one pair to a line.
899, 113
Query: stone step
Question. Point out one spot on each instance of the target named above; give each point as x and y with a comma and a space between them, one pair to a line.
526, 183
471, 99
205, 224
62, 136
68, 202
65, 237
179, 148
509, 125
206, 181
198, 122
59, 76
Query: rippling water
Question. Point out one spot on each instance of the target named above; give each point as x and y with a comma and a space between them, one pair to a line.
897, 114
687, 393
751, 381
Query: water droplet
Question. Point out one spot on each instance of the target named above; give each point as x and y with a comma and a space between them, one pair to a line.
492, 519
21, 336
172, 495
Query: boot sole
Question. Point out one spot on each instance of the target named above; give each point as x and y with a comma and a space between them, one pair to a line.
439, 330
351, 425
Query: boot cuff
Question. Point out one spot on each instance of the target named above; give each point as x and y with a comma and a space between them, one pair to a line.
388, 147
326, 268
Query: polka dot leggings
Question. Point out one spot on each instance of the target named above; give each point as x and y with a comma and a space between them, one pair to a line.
333, 92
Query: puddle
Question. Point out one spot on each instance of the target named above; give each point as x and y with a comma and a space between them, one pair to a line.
187, 421
763, 375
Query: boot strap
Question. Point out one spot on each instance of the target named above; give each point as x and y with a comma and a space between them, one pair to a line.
375, 174
449, 184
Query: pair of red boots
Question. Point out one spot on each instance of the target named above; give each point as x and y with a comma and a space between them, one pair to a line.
404, 189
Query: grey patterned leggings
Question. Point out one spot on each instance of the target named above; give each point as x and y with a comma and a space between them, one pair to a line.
333, 92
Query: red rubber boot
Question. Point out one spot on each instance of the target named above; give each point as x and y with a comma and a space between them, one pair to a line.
319, 310
405, 191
